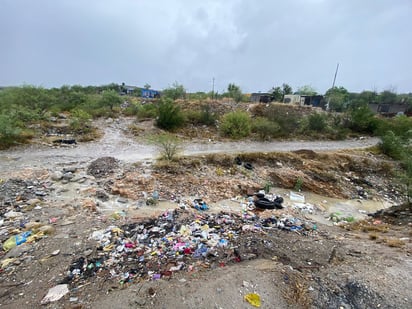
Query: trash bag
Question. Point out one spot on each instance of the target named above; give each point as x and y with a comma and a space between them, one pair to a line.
253, 299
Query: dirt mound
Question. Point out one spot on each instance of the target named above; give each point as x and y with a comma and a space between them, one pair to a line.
396, 215
103, 167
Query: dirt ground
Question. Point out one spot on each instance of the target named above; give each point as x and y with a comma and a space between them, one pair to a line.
128, 235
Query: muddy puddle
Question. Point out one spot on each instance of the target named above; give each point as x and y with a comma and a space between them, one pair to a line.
313, 206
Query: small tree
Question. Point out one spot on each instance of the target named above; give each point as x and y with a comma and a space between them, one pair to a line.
176, 91
110, 98
168, 144
286, 89
387, 97
276, 94
207, 117
337, 98
306, 90
147, 86
234, 92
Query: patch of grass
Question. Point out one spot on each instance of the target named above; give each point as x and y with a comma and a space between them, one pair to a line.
219, 171
298, 184
336, 217
220, 159
170, 167
94, 134
135, 130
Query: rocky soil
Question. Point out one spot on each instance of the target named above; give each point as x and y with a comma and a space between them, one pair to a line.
111, 233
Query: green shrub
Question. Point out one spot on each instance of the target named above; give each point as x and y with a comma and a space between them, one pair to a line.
287, 118
317, 122
298, 184
265, 128
169, 115
147, 111
80, 122
9, 131
236, 125
203, 117
392, 146
131, 110
362, 120
401, 126
207, 117
192, 116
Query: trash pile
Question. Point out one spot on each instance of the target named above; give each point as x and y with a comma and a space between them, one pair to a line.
16, 192
178, 240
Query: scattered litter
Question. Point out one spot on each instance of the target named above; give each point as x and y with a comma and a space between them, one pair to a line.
296, 197
16, 240
55, 293
178, 240
7, 262
303, 207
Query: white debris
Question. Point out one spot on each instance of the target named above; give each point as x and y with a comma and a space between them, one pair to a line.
55, 293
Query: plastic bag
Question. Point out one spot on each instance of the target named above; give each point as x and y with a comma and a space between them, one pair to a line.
253, 299
16, 240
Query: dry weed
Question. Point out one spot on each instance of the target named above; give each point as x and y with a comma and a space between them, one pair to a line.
394, 242
298, 294
373, 236
367, 227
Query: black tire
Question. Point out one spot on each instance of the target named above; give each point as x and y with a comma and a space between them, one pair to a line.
264, 203
238, 161
248, 166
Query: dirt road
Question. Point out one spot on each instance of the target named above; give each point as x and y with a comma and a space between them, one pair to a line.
120, 145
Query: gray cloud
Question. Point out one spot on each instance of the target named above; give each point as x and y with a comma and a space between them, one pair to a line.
255, 44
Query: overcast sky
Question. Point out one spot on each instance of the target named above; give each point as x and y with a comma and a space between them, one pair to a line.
255, 44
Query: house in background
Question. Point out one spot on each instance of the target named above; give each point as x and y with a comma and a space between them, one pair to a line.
139, 92
150, 93
389, 110
129, 90
309, 100
260, 97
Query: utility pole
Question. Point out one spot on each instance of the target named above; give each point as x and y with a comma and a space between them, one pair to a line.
333, 85
213, 89
336, 73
